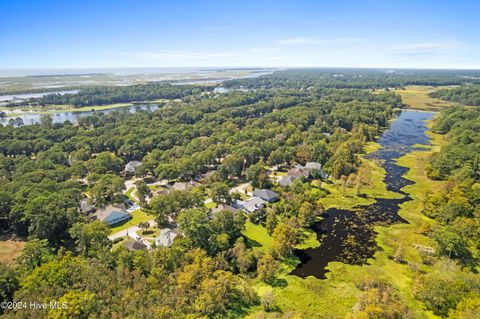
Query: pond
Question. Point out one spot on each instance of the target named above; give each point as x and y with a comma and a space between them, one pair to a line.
60, 117
348, 235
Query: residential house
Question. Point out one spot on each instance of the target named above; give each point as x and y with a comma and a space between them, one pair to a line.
166, 237
223, 207
132, 166
286, 180
315, 166
86, 208
266, 194
134, 245
250, 205
206, 176
112, 214
180, 186
300, 171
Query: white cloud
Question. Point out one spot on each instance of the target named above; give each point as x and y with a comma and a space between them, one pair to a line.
430, 51
190, 55
298, 40
424, 47
242, 57
311, 40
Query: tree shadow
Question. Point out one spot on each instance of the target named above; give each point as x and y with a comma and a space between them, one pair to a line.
252, 243
279, 283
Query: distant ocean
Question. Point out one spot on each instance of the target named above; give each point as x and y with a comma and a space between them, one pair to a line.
120, 71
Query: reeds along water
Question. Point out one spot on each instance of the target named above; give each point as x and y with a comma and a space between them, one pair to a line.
347, 235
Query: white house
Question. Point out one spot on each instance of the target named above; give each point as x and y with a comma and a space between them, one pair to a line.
112, 214
250, 205
166, 237
132, 166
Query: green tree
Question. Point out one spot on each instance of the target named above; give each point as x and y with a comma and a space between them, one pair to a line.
107, 189
271, 220
220, 193
267, 268
142, 190
284, 239
91, 239
257, 175
307, 214
8, 283
35, 253
105, 162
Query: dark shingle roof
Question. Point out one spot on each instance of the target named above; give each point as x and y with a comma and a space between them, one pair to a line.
265, 194
135, 245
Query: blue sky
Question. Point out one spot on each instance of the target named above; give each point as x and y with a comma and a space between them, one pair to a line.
142, 33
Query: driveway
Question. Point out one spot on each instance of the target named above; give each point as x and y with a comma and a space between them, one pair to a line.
130, 231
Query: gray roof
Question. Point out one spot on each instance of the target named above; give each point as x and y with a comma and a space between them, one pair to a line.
85, 207
223, 207
250, 205
103, 213
298, 171
132, 166
180, 186
265, 194
135, 245
166, 237
313, 165
287, 180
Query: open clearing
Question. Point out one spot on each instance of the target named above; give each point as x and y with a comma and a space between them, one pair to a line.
416, 97
9, 249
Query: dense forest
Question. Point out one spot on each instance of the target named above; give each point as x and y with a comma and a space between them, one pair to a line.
291, 118
45, 168
467, 94
116, 94
356, 78
456, 211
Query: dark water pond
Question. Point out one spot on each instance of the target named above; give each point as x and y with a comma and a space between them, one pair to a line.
347, 235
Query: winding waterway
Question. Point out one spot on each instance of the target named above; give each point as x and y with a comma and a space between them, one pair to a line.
348, 235
62, 116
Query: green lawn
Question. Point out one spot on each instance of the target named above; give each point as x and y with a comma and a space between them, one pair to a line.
151, 232
129, 194
138, 216
211, 205
258, 235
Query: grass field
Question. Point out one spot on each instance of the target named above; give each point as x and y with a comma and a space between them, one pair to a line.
138, 216
9, 249
416, 97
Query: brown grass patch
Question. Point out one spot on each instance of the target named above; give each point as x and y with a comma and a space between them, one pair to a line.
10, 248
